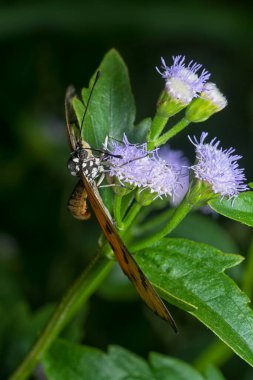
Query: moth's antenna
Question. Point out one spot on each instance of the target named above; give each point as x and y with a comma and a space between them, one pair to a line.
89, 98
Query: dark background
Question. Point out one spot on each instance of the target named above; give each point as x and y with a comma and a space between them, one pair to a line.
45, 46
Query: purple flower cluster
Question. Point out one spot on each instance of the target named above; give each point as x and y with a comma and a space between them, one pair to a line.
143, 169
218, 167
182, 82
165, 172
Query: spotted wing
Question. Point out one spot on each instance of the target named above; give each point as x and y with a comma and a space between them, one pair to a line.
125, 259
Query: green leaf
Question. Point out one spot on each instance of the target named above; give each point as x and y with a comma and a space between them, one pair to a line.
130, 364
166, 368
112, 110
183, 270
67, 361
239, 209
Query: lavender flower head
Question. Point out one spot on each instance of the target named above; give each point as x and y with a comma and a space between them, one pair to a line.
182, 82
218, 167
177, 159
211, 92
142, 168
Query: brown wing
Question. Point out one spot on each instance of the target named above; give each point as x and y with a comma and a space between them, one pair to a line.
71, 120
126, 260
77, 204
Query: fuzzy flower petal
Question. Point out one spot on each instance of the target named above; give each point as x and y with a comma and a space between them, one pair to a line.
212, 93
178, 160
182, 82
218, 167
142, 168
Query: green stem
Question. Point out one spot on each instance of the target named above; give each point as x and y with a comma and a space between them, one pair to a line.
80, 291
183, 123
131, 215
158, 124
155, 222
178, 215
117, 210
247, 285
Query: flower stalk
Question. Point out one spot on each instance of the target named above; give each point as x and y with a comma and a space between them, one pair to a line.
182, 124
178, 215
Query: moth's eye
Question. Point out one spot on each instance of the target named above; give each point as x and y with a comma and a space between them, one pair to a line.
83, 154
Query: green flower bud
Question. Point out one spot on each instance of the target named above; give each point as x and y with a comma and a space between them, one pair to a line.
118, 188
144, 197
168, 105
209, 102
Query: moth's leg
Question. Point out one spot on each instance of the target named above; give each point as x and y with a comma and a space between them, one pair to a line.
100, 180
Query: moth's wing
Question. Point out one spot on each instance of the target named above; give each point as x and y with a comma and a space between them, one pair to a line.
73, 132
77, 203
126, 260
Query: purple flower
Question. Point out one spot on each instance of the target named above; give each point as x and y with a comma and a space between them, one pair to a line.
177, 159
142, 168
182, 82
218, 167
163, 177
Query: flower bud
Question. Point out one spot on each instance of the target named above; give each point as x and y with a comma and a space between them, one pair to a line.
182, 84
168, 105
144, 197
209, 102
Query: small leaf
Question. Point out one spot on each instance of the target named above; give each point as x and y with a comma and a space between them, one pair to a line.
239, 209
130, 363
193, 272
166, 368
112, 110
68, 361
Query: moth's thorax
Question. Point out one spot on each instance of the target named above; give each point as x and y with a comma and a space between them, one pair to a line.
82, 161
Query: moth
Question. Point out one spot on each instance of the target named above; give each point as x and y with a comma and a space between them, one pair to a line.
84, 163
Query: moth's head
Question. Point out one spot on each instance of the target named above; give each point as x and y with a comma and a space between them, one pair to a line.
77, 157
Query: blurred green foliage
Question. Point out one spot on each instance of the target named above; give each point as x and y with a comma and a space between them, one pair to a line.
45, 46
